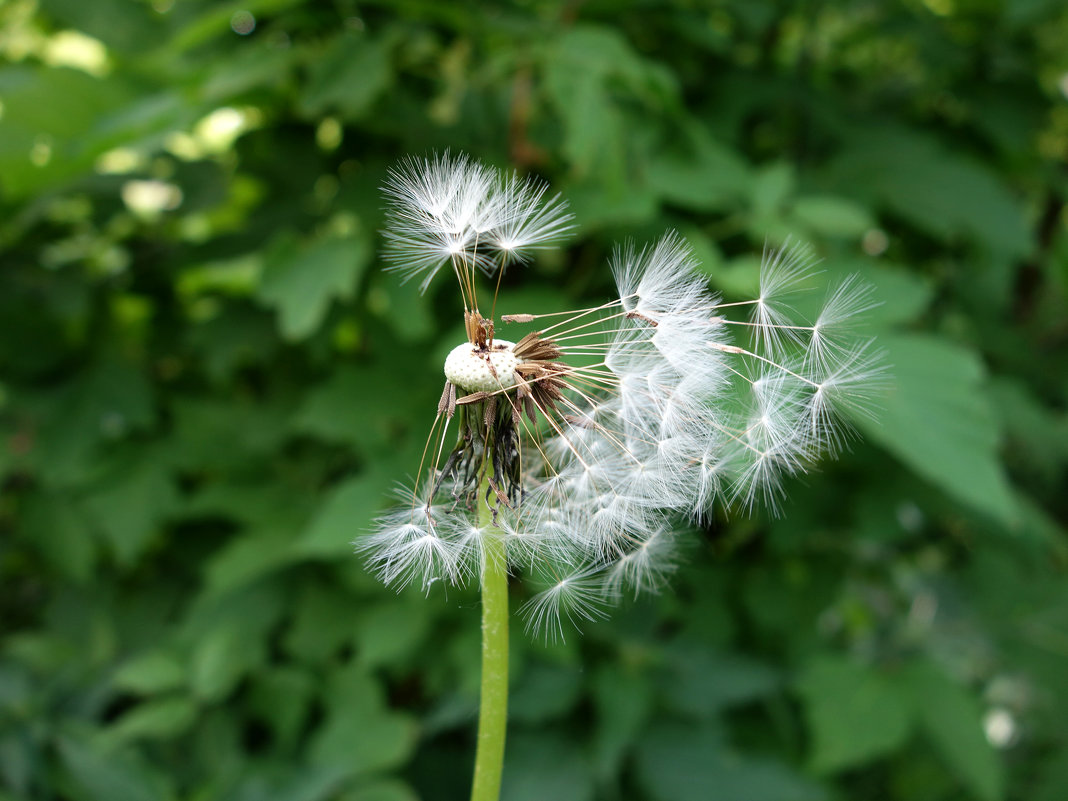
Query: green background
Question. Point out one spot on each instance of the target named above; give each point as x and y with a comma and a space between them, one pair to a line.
208, 388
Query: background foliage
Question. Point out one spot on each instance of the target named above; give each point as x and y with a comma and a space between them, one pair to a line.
207, 387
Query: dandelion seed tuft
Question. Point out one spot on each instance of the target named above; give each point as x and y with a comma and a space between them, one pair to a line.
594, 435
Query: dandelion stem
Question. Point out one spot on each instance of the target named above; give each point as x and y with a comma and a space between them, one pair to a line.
493, 704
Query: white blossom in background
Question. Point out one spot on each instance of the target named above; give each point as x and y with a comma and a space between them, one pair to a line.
591, 433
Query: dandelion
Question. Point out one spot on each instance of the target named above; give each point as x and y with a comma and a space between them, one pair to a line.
569, 452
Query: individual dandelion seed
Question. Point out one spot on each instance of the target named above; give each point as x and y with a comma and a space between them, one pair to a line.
570, 452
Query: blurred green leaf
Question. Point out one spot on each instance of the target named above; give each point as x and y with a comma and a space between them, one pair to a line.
952, 719
106, 402
624, 703
227, 634
710, 177
152, 672
936, 189
244, 559
221, 659
1038, 436
680, 763
341, 409
221, 436
343, 517
360, 734
282, 698
856, 714
828, 215
936, 419
100, 775
771, 187
160, 718
131, 505
543, 693
300, 280
383, 790
391, 631
118, 25
701, 682
52, 125
579, 66
59, 531
348, 77
317, 632
545, 767
900, 296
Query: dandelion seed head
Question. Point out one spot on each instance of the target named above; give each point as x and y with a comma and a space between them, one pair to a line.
588, 436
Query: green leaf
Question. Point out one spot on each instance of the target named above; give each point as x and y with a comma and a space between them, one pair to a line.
544, 692
227, 435
770, 188
1038, 436
352, 73
952, 718
301, 279
900, 294
680, 763
56, 528
1053, 779
829, 215
132, 502
707, 176
855, 713
229, 638
623, 700
317, 632
341, 409
245, 559
17, 765
282, 698
237, 277
152, 672
345, 514
389, 632
248, 68
108, 401
55, 114
701, 682
541, 767
128, 29
106, 775
222, 658
381, 790
935, 188
602, 203
212, 21
579, 66
937, 420
162, 718
360, 734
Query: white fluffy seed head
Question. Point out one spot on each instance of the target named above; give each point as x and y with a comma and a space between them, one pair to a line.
667, 400
482, 370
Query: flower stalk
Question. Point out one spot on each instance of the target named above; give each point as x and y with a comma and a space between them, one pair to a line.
493, 701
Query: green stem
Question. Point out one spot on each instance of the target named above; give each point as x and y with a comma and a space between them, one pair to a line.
493, 705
